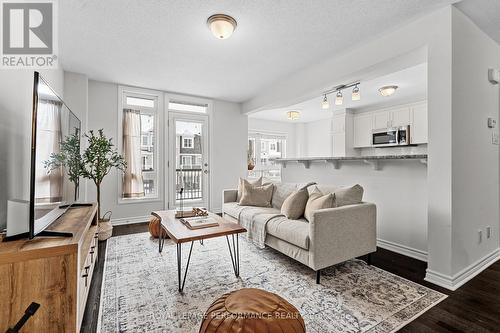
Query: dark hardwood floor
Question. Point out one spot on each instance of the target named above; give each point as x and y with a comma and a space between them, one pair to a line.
475, 307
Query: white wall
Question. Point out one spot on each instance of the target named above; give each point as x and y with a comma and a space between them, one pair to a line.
281, 127
399, 190
319, 138
16, 99
475, 159
229, 157
228, 151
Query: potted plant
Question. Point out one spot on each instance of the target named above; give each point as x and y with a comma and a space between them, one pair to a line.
68, 157
97, 161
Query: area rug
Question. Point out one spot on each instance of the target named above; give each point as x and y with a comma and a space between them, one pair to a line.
139, 291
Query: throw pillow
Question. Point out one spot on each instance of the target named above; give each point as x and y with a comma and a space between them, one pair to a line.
294, 205
257, 182
318, 201
259, 196
348, 195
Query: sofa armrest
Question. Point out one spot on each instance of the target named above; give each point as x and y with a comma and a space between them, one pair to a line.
342, 233
229, 195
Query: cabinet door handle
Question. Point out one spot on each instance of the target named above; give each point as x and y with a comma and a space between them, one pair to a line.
86, 275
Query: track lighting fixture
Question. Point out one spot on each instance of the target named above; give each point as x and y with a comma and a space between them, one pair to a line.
339, 98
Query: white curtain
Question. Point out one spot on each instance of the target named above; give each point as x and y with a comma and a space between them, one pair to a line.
49, 184
133, 186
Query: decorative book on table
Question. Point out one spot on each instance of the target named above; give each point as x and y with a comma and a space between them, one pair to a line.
199, 222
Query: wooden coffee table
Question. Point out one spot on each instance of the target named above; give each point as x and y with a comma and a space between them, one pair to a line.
180, 234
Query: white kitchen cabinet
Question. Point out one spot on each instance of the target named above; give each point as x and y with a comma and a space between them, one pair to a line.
419, 129
381, 119
338, 125
363, 127
401, 117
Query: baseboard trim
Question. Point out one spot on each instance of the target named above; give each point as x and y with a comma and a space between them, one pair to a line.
130, 220
402, 249
456, 281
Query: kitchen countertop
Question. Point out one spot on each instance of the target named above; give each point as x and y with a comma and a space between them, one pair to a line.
373, 160
353, 158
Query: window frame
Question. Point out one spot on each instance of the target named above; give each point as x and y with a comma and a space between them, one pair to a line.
157, 113
191, 140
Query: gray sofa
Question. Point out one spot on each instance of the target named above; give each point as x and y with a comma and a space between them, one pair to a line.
332, 236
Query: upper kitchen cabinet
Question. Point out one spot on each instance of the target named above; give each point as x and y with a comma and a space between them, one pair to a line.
363, 128
381, 119
401, 117
418, 131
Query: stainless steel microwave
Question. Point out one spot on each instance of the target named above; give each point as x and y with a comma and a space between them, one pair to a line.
390, 137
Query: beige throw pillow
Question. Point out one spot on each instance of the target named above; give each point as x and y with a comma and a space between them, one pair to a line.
256, 182
318, 201
294, 205
348, 195
259, 196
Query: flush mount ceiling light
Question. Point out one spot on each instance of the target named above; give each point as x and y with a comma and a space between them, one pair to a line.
356, 96
293, 115
221, 25
325, 104
339, 99
387, 90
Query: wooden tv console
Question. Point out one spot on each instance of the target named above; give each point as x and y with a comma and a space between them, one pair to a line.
53, 272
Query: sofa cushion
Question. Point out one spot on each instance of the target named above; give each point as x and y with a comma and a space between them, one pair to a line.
316, 201
232, 209
348, 195
281, 192
295, 232
257, 182
259, 196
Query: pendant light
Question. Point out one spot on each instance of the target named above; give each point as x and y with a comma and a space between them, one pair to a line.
325, 104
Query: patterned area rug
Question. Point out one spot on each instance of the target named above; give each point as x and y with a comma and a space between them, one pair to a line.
139, 292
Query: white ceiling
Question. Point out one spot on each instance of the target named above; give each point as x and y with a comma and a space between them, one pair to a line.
166, 45
484, 13
412, 83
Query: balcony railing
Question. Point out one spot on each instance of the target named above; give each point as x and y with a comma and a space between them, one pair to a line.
191, 179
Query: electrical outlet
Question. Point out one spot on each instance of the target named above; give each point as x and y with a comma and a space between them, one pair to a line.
494, 138
488, 232
480, 235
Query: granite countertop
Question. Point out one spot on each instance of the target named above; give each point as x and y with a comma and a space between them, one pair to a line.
354, 158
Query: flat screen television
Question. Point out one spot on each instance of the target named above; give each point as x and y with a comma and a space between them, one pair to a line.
51, 191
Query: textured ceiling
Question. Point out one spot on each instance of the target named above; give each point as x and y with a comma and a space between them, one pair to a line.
166, 45
412, 83
484, 13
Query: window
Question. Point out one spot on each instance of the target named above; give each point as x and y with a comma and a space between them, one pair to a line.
187, 143
186, 161
262, 149
189, 107
139, 119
